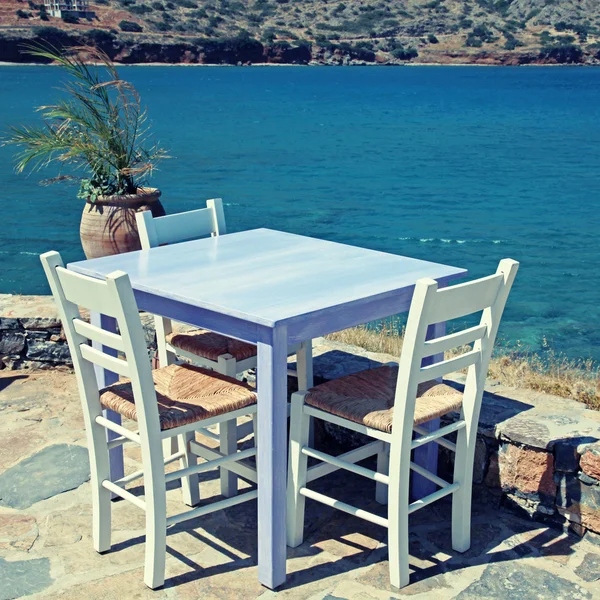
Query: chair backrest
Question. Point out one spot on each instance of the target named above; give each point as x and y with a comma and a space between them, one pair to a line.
113, 298
181, 227
431, 305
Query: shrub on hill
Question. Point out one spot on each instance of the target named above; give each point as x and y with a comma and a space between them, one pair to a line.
55, 36
99, 38
69, 18
405, 53
562, 53
23, 14
186, 3
140, 9
130, 26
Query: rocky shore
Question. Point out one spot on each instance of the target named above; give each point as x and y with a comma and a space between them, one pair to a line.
246, 51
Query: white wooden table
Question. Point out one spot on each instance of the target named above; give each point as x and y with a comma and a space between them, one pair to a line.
272, 289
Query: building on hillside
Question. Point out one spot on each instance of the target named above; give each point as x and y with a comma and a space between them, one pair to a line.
58, 8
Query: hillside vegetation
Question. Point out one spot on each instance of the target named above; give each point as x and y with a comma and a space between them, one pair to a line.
331, 32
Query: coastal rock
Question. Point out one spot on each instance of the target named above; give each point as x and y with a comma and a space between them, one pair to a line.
527, 470
579, 501
499, 581
23, 577
590, 461
49, 351
11, 343
55, 469
17, 532
589, 569
40, 322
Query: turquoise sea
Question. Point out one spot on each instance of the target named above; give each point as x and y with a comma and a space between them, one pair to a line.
457, 165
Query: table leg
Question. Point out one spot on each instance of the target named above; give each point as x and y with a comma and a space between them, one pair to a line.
272, 458
427, 456
104, 378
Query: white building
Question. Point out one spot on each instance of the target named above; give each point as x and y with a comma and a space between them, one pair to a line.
56, 8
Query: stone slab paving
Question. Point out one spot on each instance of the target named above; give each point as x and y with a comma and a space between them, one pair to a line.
46, 550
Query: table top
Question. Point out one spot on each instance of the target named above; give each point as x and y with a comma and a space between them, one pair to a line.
266, 276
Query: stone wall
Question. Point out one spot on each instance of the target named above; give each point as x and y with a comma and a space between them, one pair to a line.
30, 333
540, 452
31, 336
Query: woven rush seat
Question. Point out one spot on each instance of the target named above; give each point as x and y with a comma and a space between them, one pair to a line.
185, 393
367, 398
210, 345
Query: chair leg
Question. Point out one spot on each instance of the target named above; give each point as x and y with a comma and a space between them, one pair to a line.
255, 428
461, 499
398, 500
163, 328
298, 463
304, 364
383, 466
228, 445
156, 514
170, 446
190, 486
227, 365
101, 504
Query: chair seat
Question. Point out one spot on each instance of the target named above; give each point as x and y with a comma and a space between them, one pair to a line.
185, 393
367, 398
210, 345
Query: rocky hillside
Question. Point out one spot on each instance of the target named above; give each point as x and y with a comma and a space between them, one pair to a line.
331, 32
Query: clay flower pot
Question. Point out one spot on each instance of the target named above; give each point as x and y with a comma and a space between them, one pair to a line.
108, 225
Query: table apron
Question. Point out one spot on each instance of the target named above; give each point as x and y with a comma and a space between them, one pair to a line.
203, 318
313, 325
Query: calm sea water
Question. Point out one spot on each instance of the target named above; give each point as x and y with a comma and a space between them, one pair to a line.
457, 165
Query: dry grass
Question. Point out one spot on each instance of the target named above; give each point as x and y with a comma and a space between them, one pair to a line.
550, 373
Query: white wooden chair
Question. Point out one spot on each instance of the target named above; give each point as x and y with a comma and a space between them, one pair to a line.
390, 403
167, 402
202, 347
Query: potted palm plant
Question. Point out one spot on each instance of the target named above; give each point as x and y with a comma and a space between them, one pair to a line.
98, 130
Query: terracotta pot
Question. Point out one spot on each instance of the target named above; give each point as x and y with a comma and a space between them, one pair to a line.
108, 225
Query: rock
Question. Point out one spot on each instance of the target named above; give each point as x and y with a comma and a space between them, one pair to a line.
17, 532
513, 581
12, 343
589, 569
492, 477
33, 335
40, 322
528, 431
48, 351
51, 471
429, 582
480, 462
23, 577
579, 501
483, 536
593, 538
67, 527
9, 323
527, 470
590, 461
566, 456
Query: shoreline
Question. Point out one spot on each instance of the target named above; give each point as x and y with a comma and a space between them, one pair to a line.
394, 65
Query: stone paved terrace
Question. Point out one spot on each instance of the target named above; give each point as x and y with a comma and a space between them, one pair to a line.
45, 526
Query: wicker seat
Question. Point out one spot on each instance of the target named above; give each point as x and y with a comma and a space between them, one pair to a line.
368, 398
185, 393
210, 345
